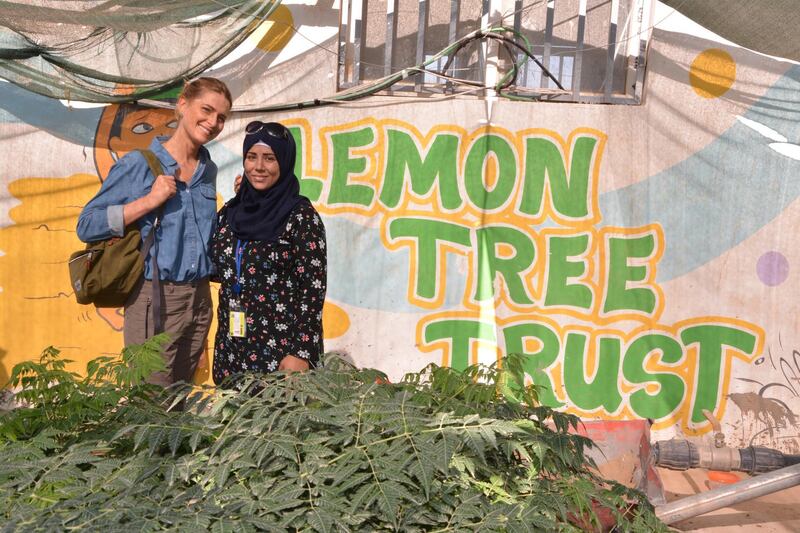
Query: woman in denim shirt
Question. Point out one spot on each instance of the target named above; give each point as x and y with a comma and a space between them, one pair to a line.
187, 192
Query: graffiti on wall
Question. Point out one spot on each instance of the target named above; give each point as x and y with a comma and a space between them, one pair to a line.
464, 242
521, 210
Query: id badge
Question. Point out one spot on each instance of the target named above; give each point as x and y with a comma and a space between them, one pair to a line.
237, 319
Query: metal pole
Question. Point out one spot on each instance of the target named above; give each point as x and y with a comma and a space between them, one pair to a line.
577, 65
548, 41
422, 27
391, 36
732, 494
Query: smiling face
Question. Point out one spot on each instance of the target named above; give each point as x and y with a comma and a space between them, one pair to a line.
261, 167
203, 117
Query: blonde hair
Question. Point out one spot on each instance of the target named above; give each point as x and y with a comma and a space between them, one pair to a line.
193, 89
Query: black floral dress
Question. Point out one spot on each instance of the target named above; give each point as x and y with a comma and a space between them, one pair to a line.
283, 285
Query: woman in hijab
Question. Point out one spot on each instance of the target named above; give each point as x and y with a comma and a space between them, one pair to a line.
269, 254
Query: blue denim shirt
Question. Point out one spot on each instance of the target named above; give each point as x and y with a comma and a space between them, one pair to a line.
184, 236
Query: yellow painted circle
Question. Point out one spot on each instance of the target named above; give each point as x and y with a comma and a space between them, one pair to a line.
712, 73
279, 29
335, 321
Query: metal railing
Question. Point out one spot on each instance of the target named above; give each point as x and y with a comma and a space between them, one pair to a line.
596, 49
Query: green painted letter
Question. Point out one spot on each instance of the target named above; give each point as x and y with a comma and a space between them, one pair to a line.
711, 339
544, 161
535, 363
342, 192
603, 389
460, 333
489, 265
427, 233
311, 188
560, 270
671, 387
477, 191
403, 155
618, 296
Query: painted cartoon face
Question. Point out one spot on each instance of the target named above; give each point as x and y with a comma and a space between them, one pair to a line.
126, 127
139, 127
203, 117
261, 167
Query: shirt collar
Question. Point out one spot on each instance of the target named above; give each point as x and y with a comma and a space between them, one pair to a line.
157, 147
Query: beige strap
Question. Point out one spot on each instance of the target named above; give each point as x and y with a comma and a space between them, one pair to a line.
153, 163
156, 169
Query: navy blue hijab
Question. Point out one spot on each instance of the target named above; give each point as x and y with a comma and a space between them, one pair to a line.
261, 215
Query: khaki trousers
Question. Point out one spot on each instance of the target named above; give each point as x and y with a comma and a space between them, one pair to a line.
186, 312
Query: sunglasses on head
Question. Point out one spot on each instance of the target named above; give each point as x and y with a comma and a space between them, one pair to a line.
271, 128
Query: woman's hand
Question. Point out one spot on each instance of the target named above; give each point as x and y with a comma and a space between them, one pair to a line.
290, 363
163, 189
237, 182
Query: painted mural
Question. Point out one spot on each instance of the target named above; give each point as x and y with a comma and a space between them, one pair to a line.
642, 258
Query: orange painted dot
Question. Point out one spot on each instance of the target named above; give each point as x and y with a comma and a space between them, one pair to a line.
335, 321
712, 73
279, 30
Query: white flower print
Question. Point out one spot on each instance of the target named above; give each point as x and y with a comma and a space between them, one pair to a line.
283, 294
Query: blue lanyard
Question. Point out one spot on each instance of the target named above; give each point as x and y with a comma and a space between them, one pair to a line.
237, 287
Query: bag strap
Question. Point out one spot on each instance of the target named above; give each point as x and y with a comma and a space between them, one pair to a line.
150, 241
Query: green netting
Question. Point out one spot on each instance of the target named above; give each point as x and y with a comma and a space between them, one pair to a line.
770, 27
117, 50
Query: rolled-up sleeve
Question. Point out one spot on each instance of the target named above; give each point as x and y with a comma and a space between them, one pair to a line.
102, 217
116, 219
